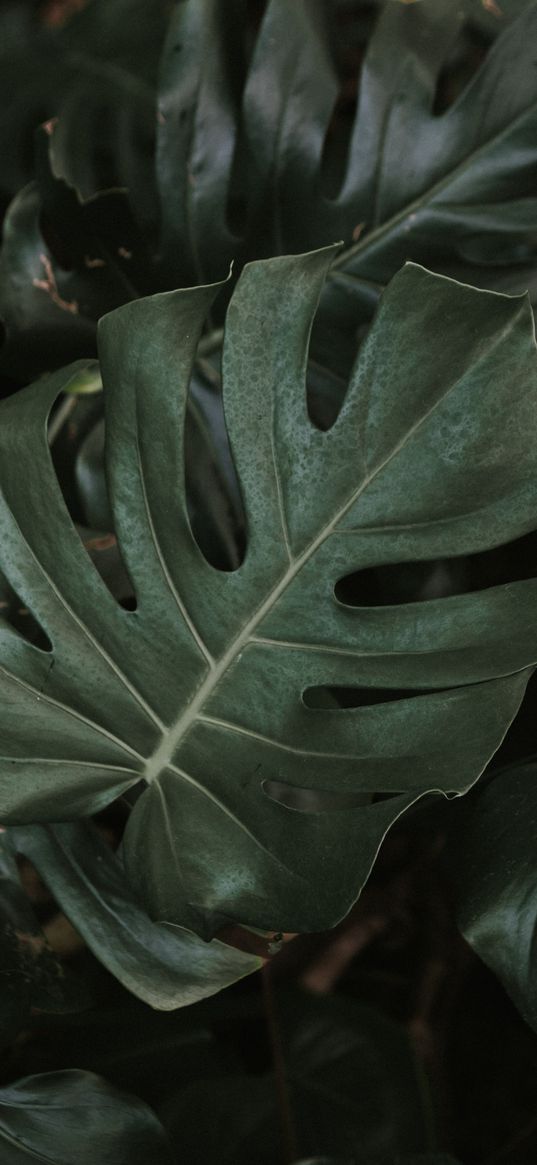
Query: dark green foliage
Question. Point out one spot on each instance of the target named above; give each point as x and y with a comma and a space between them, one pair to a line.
162, 965
252, 159
354, 1090
492, 853
202, 690
268, 599
67, 1118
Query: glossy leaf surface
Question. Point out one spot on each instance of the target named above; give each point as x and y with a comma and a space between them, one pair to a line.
76, 1118
245, 167
203, 690
454, 190
162, 965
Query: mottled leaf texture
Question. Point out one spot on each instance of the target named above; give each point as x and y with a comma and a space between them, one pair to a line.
493, 861
161, 964
202, 691
77, 1118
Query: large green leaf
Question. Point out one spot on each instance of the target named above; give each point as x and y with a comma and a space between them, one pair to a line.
201, 690
354, 1091
162, 965
76, 1118
494, 865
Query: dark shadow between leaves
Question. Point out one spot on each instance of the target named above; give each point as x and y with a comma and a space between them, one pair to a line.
465, 59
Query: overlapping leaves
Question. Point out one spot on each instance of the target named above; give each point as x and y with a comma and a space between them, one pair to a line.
202, 690
164, 966
246, 166
457, 187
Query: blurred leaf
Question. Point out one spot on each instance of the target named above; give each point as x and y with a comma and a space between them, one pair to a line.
76, 1118
163, 965
31, 973
97, 74
453, 191
260, 152
354, 1091
426, 1159
414, 1159
148, 1052
493, 862
247, 143
64, 262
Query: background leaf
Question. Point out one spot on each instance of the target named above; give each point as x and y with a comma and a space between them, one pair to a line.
32, 975
76, 1118
237, 176
354, 1091
492, 860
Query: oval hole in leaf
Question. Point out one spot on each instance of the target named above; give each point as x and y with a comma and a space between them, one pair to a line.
14, 611
333, 699
78, 456
413, 582
465, 59
325, 395
312, 800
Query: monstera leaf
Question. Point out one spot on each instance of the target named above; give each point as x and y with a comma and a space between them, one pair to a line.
164, 966
62, 1118
455, 190
491, 855
253, 159
222, 690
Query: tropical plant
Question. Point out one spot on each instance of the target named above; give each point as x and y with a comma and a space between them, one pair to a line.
268, 553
